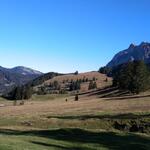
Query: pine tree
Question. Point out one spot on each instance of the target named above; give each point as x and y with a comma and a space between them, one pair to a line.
75, 85
18, 93
76, 73
92, 85
56, 85
133, 76
140, 79
76, 97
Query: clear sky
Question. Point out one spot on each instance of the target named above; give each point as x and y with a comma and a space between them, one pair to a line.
69, 35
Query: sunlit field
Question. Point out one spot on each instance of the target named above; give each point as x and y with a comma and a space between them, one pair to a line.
50, 122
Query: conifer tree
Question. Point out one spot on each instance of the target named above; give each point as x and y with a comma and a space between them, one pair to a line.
133, 76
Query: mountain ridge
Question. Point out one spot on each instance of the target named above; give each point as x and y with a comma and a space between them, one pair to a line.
25, 70
16, 76
132, 53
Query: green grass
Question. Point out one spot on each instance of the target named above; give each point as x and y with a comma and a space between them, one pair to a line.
72, 133
71, 139
9, 121
99, 121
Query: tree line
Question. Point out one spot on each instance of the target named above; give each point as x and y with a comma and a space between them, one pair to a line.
20, 93
133, 76
26, 91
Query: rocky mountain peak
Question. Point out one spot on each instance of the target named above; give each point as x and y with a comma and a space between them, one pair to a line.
131, 46
133, 52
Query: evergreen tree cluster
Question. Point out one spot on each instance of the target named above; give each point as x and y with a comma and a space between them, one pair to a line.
43, 78
79, 80
133, 76
25, 91
56, 85
20, 93
92, 85
105, 70
75, 85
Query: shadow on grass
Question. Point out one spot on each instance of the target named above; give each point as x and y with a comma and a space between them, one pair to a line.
59, 146
99, 91
129, 97
118, 116
108, 140
49, 145
113, 93
106, 92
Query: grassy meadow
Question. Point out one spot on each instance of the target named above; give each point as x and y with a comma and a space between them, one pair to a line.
50, 123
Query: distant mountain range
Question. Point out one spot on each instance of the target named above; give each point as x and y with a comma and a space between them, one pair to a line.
134, 52
20, 75
16, 76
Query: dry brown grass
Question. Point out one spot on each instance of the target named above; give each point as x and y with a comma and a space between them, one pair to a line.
100, 79
85, 105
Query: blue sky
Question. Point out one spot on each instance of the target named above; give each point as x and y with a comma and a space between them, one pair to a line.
69, 35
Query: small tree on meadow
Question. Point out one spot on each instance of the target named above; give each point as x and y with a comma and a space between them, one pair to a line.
76, 97
76, 73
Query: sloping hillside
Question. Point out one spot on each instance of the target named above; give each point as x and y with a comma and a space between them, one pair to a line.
84, 78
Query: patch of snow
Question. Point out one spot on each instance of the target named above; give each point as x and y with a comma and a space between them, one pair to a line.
24, 73
30, 71
9, 84
132, 58
125, 52
5, 79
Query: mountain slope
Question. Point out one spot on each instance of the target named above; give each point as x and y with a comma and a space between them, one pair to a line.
140, 52
10, 78
25, 71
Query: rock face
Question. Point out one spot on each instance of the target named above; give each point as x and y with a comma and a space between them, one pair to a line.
16, 76
140, 52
